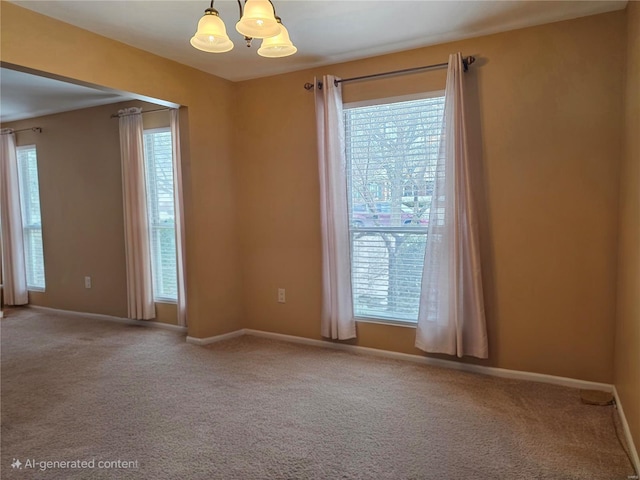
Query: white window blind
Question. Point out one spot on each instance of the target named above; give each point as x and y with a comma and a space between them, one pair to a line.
31, 219
392, 152
160, 207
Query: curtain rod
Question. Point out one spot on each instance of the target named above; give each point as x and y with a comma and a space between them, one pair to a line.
465, 62
33, 129
116, 115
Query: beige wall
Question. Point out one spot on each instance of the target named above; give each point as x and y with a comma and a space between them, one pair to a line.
81, 202
546, 103
627, 346
36, 42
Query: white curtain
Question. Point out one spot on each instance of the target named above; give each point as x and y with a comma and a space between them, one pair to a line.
136, 223
14, 272
337, 320
451, 319
179, 217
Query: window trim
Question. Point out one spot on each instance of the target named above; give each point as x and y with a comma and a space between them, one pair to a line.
157, 130
386, 321
397, 99
169, 301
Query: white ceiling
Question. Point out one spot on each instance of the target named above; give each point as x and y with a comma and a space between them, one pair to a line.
23, 95
325, 32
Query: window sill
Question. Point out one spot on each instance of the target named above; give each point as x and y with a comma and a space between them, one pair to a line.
35, 289
165, 300
384, 321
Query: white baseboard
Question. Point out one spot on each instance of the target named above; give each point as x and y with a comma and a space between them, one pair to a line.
217, 338
496, 372
627, 432
110, 318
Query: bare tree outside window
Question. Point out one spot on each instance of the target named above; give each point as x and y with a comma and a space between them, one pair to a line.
392, 152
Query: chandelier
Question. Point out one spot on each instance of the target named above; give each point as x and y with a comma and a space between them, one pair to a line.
258, 19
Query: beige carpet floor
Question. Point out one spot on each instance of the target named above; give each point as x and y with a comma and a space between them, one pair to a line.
249, 408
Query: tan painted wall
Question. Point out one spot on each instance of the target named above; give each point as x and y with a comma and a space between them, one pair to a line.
213, 277
627, 346
546, 106
81, 202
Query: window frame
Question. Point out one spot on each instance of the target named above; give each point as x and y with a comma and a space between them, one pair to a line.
30, 227
370, 103
158, 298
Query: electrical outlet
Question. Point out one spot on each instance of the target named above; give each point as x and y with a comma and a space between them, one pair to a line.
281, 295
87, 282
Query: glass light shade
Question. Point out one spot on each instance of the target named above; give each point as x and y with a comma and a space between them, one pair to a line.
211, 35
258, 20
278, 46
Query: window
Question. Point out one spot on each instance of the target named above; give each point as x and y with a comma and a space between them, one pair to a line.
158, 158
31, 220
396, 145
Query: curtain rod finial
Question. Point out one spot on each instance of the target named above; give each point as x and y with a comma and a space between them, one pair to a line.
468, 61
308, 86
